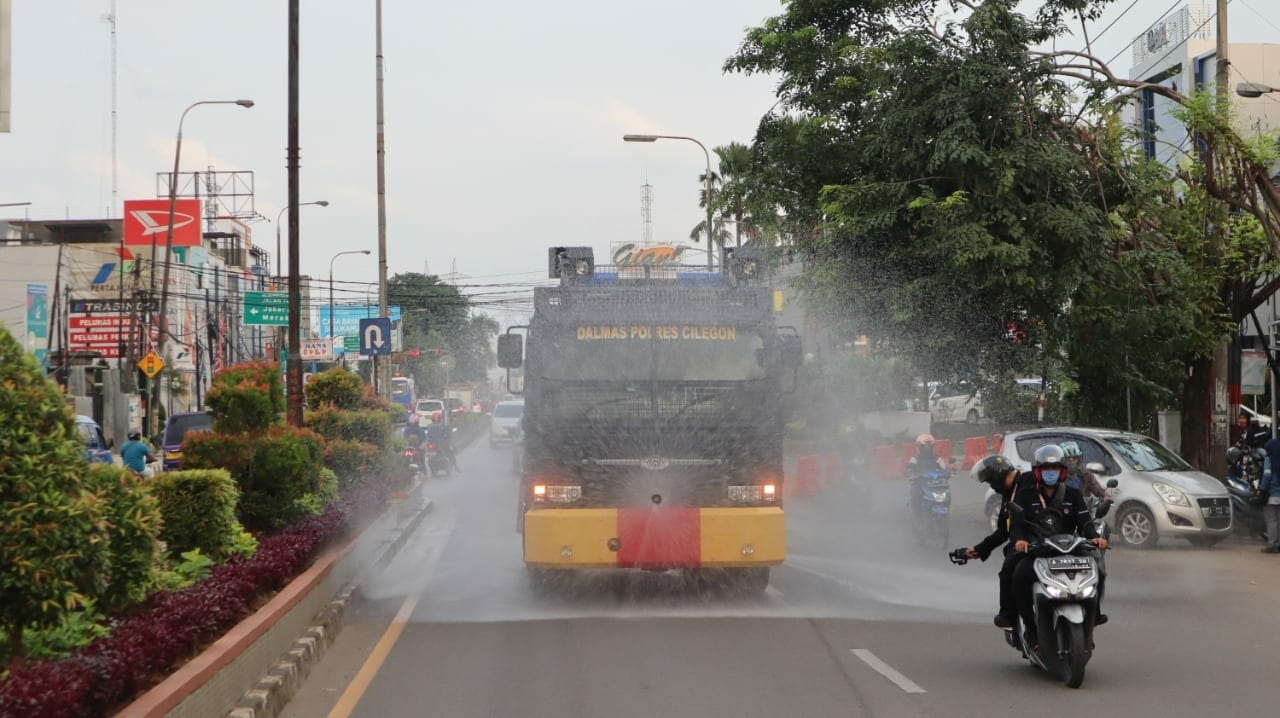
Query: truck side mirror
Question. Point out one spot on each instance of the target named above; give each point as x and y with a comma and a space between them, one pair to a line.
510, 351
792, 351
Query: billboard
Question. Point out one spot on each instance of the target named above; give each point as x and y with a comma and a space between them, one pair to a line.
106, 325
6, 71
146, 221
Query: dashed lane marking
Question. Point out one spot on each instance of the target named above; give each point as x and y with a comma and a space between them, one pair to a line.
886, 670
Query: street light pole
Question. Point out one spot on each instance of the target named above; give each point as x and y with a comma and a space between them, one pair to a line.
382, 371
654, 138
339, 254
279, 218
153, 416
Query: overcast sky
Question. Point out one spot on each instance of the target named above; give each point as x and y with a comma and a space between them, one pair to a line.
504, 119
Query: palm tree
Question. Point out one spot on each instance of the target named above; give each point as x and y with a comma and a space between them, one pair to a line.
735, 174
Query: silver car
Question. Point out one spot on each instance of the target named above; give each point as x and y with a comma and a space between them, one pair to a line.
1159, 495
504, 425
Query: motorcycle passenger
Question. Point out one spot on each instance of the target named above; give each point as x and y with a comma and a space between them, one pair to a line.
441, 435
1048, 506
413, 433
1249, 433
1005, 479
136, 456
1079, 477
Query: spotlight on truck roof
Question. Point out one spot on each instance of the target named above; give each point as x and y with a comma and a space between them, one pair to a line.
744, 263
570, 262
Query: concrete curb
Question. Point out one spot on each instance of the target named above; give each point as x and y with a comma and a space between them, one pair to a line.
273, 691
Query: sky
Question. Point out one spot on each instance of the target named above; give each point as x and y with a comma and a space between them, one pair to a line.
503, 119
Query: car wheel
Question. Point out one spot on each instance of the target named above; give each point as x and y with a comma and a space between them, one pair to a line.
971, 417
1137, 526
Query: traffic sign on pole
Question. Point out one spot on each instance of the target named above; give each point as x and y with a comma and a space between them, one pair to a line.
266, 308
351, 344
375, 336
151, 364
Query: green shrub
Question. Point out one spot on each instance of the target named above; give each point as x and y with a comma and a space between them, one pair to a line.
52, 535
369, 427
77, 629
199, 509
274, 469
133, 524
336, 388
326, 491
246, 398
351, 459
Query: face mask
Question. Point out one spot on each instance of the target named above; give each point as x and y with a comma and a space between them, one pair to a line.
1050, 476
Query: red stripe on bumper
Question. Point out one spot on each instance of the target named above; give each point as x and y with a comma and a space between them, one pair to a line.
659, 538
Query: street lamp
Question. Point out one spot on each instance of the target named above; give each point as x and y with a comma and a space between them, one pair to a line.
279, 217
339, 254
168, 247
1254, 89
707, 155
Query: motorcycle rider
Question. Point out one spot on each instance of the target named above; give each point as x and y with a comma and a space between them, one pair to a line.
1047, 506
1005, 479
441, 435
136, 456
925, 459
1079, 477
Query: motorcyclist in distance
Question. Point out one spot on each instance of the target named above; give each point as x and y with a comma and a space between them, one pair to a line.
1047, 507
440, 434
1079, 477
926, 459
1005, 479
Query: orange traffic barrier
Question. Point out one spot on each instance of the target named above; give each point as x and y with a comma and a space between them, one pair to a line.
908, 453
884, 462
832, 469
808, 472
944, 451
975, 449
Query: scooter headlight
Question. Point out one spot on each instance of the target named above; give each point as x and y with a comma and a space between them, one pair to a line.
1053, 591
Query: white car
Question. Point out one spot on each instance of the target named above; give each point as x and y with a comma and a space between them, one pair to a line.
1159, 495
504, 425
429, 410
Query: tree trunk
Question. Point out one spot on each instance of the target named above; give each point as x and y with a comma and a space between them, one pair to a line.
1197, 413
15, 642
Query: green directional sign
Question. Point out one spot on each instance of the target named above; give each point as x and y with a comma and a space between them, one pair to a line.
351, 344
271, 308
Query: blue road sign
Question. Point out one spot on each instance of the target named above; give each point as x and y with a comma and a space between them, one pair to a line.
375, 336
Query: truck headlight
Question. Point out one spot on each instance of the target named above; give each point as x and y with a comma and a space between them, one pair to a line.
1169, 494
557, 493
753, 493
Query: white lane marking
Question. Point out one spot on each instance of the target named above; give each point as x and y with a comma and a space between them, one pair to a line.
886, 670
772, 592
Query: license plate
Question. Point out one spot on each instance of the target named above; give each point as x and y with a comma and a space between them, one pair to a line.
1068, 563
1213, 512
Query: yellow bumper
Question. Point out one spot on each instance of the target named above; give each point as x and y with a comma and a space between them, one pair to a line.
654, 538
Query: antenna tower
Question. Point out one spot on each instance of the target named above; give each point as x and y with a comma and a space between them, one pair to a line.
646, 213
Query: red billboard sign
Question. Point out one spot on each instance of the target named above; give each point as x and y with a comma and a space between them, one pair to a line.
146, 221
103, 333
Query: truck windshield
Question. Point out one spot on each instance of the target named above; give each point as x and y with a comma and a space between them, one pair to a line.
674, 352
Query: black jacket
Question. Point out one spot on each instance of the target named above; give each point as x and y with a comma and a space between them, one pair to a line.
1075, 514
1001, 534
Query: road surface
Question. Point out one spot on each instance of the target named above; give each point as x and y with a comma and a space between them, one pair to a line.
860, 621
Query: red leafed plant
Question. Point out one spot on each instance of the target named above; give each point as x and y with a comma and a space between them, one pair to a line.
171, 626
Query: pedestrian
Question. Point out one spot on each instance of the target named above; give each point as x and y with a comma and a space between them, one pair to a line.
1269, 488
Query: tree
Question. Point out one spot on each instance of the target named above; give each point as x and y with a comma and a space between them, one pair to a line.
52, 533
436, 315
953, 201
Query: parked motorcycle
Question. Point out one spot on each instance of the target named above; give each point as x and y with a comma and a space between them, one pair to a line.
930, 506
1065, 605
1245, 517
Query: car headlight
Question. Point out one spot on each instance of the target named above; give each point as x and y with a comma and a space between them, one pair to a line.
1170, 495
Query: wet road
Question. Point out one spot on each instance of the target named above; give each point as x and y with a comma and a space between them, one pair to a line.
860, 621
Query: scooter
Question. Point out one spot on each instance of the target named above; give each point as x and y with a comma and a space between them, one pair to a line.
437, 462
1065, 605
930, 506
1246, 517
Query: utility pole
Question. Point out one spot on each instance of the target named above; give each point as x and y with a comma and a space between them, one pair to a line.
1221, 407
382, 369
293, 376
